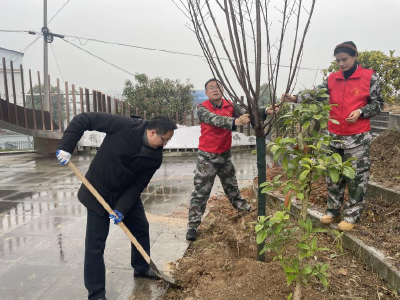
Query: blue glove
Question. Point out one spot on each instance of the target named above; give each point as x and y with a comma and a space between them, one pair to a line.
63, 156
117, 218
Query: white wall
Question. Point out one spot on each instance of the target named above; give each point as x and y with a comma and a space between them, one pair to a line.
16, 58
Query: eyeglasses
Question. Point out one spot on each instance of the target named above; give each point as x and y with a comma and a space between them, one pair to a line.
215, 87
165, 141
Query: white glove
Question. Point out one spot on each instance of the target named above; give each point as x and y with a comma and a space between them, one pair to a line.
63, 156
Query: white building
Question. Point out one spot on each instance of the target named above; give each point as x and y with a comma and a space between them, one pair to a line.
16, 58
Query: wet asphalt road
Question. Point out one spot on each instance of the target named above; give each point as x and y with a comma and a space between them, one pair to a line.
42, 227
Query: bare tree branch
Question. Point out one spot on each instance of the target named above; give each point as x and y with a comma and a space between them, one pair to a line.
181, 9
294, 44
204, 45
297, 76
238, 45
247, 69
301, 44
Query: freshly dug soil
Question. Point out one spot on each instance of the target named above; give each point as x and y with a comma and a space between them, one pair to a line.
222, 264
385, 159
380, 227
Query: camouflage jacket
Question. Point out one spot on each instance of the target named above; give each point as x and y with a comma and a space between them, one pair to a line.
206, 116
373, 108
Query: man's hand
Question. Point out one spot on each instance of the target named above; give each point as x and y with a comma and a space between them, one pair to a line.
269, 110
353, 116
288, 98
118, 218
242, 120
63, 156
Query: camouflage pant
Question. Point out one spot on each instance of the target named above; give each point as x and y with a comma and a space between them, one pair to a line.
208, 166
353, 208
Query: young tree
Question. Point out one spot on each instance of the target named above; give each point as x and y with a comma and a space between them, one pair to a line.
240, 37
305, 158
159, 96
387, 68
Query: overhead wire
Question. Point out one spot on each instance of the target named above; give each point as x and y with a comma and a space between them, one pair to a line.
154, 49
23, 50
39, 35
55, 58
98, 57
58, 12
163, 50
14, 31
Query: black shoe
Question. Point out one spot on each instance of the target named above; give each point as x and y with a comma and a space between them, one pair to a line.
191, 235
245, 207
149, 274
102, 299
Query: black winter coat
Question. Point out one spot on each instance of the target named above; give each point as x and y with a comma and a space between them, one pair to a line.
122, 167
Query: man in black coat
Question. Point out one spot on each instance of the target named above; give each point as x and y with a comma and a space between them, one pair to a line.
124, 164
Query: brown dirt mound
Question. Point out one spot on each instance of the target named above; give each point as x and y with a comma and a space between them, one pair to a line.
380, 227
385, 159
222, 264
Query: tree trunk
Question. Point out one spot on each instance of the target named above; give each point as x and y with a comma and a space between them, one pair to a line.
261, 168
306, 200
303, 217
297, 291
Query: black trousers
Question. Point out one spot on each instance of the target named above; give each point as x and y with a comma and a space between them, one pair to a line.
97, 229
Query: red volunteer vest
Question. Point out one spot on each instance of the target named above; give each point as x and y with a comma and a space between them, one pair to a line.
214, 139
349, 95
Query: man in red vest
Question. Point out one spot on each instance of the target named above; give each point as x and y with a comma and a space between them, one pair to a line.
217, 118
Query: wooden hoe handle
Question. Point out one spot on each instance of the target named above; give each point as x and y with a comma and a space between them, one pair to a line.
109, 210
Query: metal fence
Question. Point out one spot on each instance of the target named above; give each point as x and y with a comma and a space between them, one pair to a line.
21, 145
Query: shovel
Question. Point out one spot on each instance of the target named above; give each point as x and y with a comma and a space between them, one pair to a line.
107, 207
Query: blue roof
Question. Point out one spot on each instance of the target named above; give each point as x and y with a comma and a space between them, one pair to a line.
201, 96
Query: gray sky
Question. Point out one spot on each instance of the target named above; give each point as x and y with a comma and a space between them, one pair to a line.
371, 24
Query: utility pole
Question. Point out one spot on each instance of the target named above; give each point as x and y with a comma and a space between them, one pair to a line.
45, 60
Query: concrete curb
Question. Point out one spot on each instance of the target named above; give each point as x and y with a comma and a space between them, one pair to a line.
380, 264
394, 121
17, 152
375, 190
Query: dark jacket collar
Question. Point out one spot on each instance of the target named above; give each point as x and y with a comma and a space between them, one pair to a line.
356, 74
146, 150
348, 73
